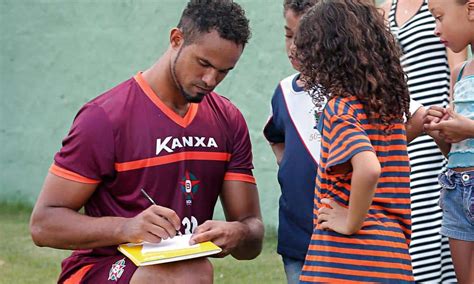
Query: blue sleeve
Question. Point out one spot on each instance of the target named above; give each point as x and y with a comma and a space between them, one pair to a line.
274, 128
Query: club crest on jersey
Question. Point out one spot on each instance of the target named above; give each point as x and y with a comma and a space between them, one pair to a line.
189, 186
116, 270
170, 143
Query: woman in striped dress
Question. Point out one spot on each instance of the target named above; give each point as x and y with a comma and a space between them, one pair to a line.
425, 62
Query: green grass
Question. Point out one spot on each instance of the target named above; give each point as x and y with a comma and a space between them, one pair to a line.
22, 262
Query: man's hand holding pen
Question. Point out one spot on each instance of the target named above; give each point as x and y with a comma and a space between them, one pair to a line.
154, 224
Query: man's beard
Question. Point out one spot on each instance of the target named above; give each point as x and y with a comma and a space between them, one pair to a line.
190, 99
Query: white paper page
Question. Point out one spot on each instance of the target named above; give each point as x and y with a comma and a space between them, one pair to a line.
178, 242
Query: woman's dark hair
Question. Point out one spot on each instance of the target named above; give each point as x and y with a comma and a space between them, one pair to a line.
299, 7
224, 16
345, 48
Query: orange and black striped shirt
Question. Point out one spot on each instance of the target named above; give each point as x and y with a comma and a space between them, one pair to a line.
379, 251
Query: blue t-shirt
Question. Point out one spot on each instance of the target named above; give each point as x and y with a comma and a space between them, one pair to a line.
293, 122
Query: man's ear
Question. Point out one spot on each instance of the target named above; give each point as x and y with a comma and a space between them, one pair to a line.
176, 38
470, 10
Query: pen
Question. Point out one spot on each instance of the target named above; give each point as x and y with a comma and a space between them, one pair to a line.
153, 202
148, 197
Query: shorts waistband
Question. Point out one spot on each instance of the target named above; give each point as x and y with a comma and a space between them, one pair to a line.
451, 177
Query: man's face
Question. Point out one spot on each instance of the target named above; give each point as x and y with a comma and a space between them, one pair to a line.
291, 25
199, 67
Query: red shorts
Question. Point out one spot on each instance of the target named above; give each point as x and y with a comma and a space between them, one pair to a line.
112, 269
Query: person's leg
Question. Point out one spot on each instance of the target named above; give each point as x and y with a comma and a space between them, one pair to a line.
119, 269
190, 271
293, 269
471, 279
462, 253
109, 269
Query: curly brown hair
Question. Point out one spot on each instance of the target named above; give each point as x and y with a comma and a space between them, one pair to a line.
345, 48
299, 7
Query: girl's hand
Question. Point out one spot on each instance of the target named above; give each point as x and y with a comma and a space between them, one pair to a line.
454, 129
333, 217
434, 114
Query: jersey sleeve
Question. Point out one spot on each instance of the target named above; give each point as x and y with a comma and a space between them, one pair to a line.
273, 131
346, 136
87, 153
240, 165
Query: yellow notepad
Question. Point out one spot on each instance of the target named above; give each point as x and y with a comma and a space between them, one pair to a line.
169, 250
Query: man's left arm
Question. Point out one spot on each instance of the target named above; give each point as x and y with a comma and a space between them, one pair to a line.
241, 235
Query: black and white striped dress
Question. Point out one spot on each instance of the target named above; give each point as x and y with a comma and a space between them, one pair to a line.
426, 65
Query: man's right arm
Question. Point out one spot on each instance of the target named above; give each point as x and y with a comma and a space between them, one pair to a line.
56, 222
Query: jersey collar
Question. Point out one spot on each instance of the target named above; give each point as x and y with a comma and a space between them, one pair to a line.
182, 121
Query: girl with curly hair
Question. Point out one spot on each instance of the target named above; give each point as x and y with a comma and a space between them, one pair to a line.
362, 196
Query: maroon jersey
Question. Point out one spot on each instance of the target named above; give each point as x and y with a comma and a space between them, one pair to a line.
128, 139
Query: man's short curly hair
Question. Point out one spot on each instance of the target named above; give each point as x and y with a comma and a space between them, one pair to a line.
299, 7
224, 16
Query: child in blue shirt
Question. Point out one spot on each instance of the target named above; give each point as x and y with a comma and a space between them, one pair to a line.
294, 139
